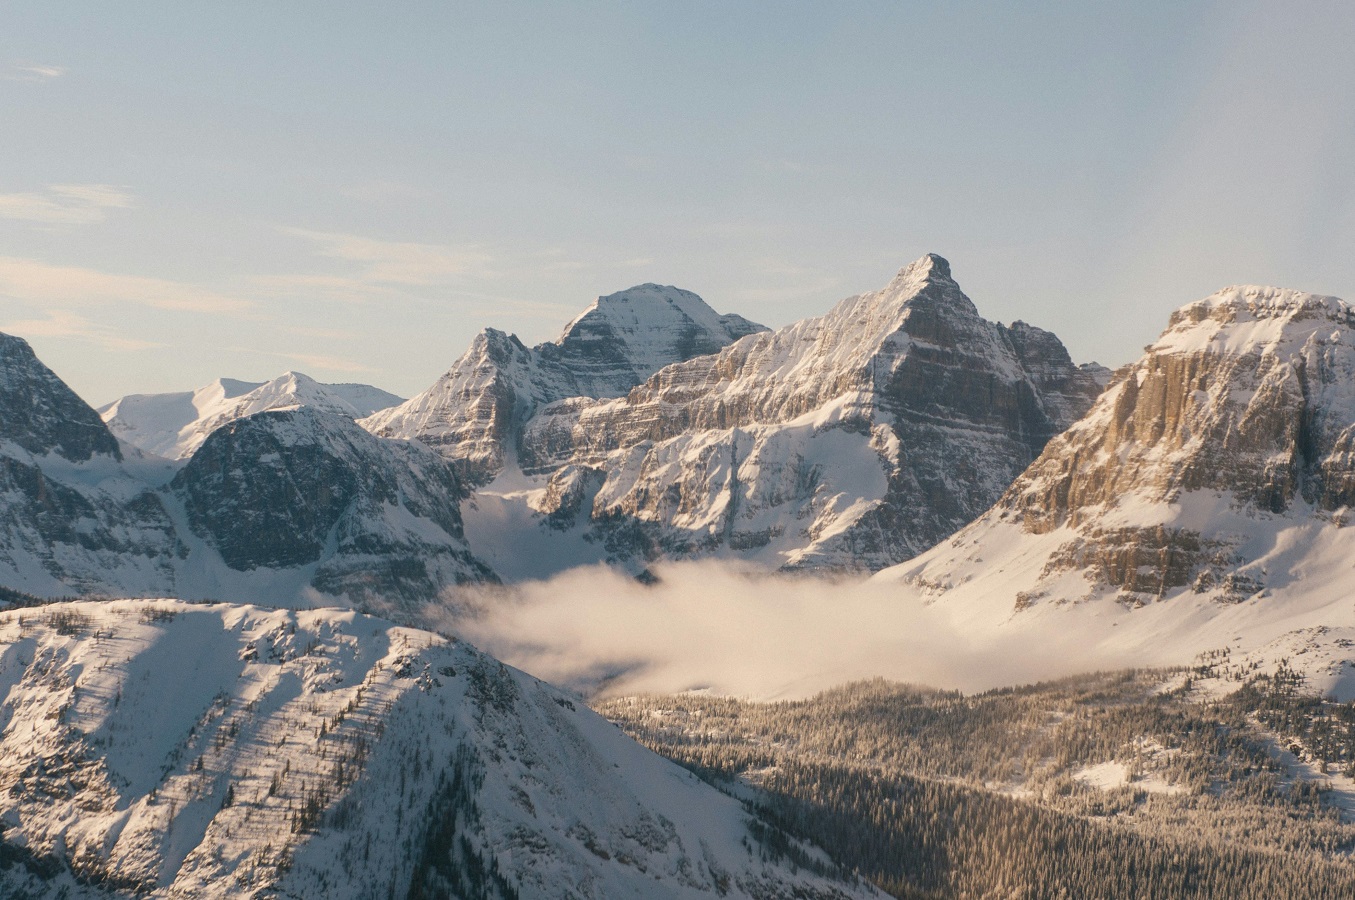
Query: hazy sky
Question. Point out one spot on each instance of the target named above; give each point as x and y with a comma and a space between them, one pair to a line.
191, 190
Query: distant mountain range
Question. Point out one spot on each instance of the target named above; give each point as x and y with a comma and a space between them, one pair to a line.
652, 428
175, 425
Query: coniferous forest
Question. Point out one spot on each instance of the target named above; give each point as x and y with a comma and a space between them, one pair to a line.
1141, 783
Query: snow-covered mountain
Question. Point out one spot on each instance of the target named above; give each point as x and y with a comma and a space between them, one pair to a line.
473, 412
1201, 502
370, 519
294, 505
849, 441
174, 425
155, 748
75, 516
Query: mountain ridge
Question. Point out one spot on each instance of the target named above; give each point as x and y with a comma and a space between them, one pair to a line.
174, 425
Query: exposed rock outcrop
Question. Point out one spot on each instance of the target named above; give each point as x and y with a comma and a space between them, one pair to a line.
472, 414
1220, 463
852, 440
378, 518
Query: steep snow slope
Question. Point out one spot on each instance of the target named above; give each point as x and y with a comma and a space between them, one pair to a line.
472, 413
1206, 492
154, 748
174, 425
849, 441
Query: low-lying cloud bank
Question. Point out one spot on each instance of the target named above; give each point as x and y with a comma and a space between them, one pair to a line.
711, 626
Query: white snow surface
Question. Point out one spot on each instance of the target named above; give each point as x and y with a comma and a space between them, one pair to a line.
231, 751
174, 425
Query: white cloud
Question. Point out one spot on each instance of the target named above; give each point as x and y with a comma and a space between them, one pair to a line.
399, 263
314, 361
65, 204
29, 72
66, 324
709, 625
43, 284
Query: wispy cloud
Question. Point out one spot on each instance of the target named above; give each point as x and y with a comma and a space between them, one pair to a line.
313, 361
30, 72
66, 324
400, 263
65, 204
44, 284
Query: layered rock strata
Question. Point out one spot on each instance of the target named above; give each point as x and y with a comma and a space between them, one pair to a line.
852, 440
472, 414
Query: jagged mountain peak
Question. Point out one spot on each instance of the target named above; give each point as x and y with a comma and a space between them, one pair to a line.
39, 413
470, 414
1218, 466
922, 293
899, 399
928, 267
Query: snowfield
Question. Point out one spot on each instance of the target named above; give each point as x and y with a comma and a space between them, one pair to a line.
160, 748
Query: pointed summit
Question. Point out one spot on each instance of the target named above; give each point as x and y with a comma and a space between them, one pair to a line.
927, 267
853, 439
615, 344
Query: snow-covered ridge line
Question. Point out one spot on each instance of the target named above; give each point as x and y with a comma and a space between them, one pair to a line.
174, 425
156, 748
472, 413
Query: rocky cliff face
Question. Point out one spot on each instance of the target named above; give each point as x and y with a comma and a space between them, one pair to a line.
174, 425
284, 489
71, 516
473, 412
282, 503
1249, 391
41, 415
1217, 464
853, 440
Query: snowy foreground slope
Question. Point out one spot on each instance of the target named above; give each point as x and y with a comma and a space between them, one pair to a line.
174, 425
162, 748
1202, 503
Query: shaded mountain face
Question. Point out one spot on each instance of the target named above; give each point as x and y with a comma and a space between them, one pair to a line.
71, 516
282, 503
473, 412
40, 414
1219, 467
849, 441
288, 488
156, 748
174, 425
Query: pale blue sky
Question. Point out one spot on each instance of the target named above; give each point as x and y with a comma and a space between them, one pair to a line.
353, 190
